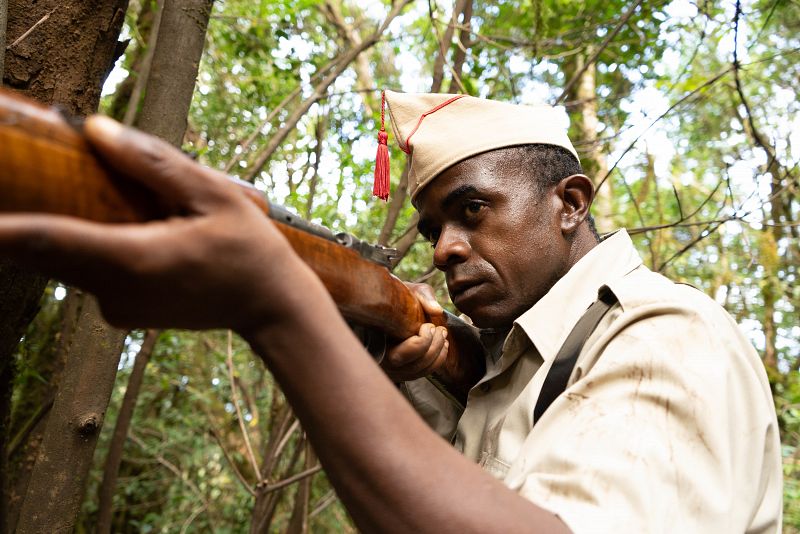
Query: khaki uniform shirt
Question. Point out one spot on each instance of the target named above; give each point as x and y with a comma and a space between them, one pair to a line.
666, 425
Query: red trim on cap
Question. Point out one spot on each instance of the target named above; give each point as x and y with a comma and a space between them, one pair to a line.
407, 148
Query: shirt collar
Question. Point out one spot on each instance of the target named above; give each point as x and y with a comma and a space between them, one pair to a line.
550, 320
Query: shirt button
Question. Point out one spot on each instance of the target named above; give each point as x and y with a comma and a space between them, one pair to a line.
486, 387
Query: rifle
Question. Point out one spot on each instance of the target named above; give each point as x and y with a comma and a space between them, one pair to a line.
47, 166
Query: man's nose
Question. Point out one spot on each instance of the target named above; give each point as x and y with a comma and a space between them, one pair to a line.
452, 247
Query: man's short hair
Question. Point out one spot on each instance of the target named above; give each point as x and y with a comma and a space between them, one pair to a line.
547, 165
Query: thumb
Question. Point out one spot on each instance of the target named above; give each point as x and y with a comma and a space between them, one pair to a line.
426, 297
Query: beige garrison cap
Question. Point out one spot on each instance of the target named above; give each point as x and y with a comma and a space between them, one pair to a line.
439, 130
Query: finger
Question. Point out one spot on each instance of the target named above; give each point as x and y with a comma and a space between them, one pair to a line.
412, 348
78, 252
435, 355
426, 297
420, 364
156, 164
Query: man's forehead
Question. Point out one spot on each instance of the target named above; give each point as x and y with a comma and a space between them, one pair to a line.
471, 175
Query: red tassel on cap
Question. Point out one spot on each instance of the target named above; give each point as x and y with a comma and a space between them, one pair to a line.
381, 186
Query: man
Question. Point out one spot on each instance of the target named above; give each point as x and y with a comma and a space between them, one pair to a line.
666, 422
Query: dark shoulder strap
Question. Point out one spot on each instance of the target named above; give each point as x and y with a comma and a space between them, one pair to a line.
556, 380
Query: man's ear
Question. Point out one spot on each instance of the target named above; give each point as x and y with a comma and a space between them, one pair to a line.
576, 193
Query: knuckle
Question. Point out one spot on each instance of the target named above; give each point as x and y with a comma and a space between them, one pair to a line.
153, 153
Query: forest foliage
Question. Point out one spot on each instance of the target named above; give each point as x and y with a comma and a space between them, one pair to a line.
685, 114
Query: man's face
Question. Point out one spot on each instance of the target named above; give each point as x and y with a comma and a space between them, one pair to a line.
497, 239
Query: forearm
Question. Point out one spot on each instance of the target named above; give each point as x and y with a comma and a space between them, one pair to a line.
392, 472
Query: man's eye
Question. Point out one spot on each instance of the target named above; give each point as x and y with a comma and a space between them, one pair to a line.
473, 207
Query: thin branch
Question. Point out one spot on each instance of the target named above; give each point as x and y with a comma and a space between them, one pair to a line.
624, 20
319, 90
326, 500
173, 468
705, 85
245, 144
236, 471
189, 520
285, 439
427, 275
31, 29
292, 479
710, 229
678, 200
29, 425
229, 361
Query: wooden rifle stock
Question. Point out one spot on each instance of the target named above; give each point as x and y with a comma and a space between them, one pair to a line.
47, 166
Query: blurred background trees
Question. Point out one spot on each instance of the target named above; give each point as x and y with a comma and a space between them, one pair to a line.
685, 115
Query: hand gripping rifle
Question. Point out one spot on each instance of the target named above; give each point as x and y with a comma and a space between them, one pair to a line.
47, 166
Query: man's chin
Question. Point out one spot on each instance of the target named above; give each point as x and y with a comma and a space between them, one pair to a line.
484, 317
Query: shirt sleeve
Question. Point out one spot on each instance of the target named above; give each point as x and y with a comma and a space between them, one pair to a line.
439, 411
671, 430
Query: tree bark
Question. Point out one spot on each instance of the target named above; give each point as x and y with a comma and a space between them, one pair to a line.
55, 63
176, 46
136, 63
123, 423
143, 72
47, 59
3, 25
35, 399
19, 301
176, 59
62, 466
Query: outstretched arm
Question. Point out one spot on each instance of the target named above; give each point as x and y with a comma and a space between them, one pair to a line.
221, 263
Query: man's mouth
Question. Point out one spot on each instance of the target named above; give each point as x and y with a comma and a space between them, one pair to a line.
463, 290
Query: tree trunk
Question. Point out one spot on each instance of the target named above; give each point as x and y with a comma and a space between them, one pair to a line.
19, 301
444, 47
179, 36
57, 484
55, 63
36, 397
176, 59
319, 134
123, 423
265, 502
3, 24
396, 203
134, 62
464, 42
298, 524
47, 59
583, 105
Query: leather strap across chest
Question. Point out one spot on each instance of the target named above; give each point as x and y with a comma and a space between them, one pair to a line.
556, 380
